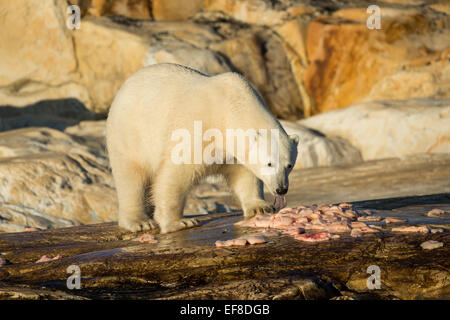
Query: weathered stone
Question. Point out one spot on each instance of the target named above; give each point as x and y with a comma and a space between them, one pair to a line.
29, 71
173, 51
299, 66
388, 129
261, 57
186, 265
398, 177
28, 92
25, 293
107, 55
441, 7
293, 33
50, 180
431, 244
138, 9
406, 58
317, 150
24, 58
259, 12
175, 10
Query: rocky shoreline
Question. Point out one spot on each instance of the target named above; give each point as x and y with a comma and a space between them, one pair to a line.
187, 265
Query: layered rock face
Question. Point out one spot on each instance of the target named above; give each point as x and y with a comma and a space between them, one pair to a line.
349, 63
303, 57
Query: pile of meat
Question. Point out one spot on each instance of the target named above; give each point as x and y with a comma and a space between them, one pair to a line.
310, 224
323, 219
321, 222
242, 241
315, 223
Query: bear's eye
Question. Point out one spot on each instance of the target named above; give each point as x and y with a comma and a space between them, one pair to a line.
269, 164
289, 166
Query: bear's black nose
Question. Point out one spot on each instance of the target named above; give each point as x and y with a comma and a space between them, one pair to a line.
281, 191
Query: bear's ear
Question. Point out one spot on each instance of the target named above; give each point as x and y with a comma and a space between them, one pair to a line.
294, 138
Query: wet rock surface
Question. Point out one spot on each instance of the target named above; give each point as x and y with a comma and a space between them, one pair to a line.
187, 265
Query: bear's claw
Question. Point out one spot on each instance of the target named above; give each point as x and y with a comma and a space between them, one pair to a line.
185, 223
259, 210
138, 225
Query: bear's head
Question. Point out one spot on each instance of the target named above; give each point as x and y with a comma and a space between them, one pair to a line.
277, 153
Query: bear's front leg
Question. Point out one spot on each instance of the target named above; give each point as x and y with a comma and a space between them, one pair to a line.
130, 180
249, 190
170, 189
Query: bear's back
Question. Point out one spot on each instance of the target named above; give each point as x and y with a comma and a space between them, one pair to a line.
166, 91
168, 70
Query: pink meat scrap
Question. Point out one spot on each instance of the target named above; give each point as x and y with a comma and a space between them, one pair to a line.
146, 238
242, 241
323, 218
315, 237
46, 258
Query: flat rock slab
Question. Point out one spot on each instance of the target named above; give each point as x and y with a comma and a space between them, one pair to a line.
187, 265
421, 174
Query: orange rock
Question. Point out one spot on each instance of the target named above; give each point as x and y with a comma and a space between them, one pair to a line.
373, 64
175, 10
138, 9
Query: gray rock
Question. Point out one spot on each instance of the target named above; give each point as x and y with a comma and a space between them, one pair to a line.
317, 150
387, 129
431, 244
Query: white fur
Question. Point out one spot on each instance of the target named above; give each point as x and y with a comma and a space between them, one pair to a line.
161, 98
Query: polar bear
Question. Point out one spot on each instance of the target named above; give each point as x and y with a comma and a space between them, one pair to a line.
160, 100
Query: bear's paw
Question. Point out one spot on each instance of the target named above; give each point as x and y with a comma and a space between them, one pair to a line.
138, 225
259, 207
185, 223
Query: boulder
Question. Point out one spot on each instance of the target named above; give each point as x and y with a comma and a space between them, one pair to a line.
175, 10
406, 58
174, 51
293, 34
47, 180
22, 23
387, 129
317, 150
259, 12
262, 58
137, 9
107, 54
29, 71
290, 51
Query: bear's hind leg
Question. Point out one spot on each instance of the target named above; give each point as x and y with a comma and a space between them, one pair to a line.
249, 190
170, 189
130, 180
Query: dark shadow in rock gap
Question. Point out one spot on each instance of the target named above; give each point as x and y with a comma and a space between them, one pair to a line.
57, 114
